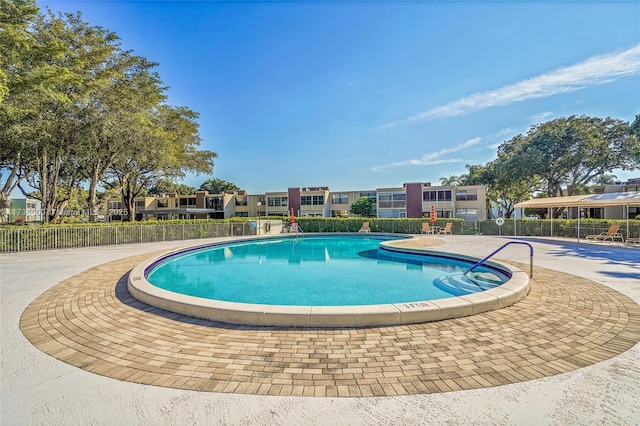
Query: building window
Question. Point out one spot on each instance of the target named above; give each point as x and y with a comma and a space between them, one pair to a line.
339, 213
430, 196
162, 204
277, 201
242, 214
187, 202
467, 195
444, 195
389, 200
463, 213
441, 195
312, 200
241, 201
339, 199
215, 203
370, 195
392, 214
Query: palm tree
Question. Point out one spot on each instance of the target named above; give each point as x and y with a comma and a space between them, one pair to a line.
476, 175
604, 179
452, 180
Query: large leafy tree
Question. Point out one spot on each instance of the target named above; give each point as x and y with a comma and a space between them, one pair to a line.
164, 146
505, 188
634, 131
17, 48
77, 109
165, 186
218, 186
16, 41
53, 77
363, 206
64, 67
109, 114
567, 153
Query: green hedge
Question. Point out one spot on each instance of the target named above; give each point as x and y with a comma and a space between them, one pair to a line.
394, 226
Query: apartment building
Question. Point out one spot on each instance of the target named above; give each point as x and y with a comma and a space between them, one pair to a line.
27, 210
615, 212
412, 200
200, 205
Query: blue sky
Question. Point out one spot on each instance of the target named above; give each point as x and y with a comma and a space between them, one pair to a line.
360, 95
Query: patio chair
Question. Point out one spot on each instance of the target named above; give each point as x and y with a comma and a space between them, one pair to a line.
426, 229
612, 234
447, 229
365, 227
633, 241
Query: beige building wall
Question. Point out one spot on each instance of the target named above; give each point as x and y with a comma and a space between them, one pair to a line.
469, 202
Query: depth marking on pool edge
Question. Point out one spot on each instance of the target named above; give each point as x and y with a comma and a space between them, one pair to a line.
416, 305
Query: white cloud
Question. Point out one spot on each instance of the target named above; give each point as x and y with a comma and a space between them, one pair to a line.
432, 158
540, 117
499, 137
596, 70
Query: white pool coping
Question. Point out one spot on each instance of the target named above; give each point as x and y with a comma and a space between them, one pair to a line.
505, 295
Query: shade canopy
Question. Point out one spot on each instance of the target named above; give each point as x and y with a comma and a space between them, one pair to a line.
588, 200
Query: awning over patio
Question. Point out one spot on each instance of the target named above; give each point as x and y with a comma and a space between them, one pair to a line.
631, 198
587, 200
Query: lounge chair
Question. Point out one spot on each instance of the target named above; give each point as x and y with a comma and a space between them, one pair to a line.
365, 227
447, 229
426, 229
612, 234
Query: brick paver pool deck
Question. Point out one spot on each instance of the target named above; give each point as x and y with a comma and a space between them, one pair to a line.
90, 321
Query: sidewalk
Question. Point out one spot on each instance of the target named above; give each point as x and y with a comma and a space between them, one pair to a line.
37, 388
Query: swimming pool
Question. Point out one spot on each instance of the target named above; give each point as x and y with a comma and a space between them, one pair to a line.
321, 280
315, 271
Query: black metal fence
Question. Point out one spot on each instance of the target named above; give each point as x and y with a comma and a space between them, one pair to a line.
27, 238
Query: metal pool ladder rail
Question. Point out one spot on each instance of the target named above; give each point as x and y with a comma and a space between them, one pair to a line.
500, 248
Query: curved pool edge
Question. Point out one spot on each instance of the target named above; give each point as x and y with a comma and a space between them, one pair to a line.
505, 295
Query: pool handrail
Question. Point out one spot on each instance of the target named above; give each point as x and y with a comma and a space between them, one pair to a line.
500, 248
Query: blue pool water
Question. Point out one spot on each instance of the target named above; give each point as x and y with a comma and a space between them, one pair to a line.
312, 271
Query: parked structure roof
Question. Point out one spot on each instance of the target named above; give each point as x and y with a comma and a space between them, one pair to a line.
586, 200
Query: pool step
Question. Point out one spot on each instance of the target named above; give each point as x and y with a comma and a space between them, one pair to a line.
458, 284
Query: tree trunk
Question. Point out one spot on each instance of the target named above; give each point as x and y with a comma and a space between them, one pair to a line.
128, 200
91, 199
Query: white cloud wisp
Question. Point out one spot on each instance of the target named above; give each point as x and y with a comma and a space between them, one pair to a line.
591, 72
432, 158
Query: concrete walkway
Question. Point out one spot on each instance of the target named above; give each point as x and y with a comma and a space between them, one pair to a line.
580, 327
